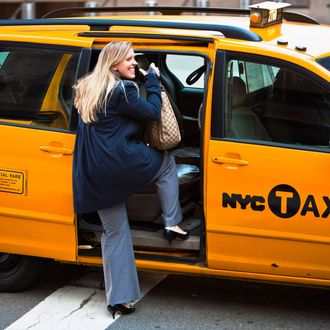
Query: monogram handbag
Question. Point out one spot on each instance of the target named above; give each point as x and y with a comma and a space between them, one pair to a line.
164, 134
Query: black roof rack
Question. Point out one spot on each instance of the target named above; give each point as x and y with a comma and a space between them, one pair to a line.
289, 16
101, 24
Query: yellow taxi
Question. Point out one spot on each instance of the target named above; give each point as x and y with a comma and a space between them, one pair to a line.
251, 91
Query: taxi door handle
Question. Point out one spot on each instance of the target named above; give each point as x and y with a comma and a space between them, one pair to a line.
234, 161
57, 150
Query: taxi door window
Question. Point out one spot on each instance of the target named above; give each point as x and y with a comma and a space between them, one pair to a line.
276, 103
36, 85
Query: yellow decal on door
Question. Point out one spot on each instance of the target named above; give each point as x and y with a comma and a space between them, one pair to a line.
13, 181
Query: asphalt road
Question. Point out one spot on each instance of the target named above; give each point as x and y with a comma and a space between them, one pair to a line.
182, 302
15, 305
185, 302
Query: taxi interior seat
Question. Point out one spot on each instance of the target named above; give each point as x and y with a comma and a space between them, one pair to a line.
244, 122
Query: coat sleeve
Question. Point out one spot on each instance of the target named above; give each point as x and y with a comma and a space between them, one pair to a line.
132, 104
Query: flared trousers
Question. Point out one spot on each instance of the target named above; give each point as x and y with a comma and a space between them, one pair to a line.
120, 274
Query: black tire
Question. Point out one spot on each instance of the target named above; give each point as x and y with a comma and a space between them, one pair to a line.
18, 272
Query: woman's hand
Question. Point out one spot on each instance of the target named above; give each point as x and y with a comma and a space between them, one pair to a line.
152, 67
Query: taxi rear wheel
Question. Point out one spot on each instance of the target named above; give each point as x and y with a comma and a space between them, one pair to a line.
18, 272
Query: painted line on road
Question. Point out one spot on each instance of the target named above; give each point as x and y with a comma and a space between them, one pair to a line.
72, 307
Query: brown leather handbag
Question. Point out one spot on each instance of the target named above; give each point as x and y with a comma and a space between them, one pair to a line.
164, 134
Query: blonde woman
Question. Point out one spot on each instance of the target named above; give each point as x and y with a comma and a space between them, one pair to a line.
111, 162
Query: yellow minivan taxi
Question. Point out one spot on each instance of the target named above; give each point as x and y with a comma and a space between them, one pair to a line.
252, 98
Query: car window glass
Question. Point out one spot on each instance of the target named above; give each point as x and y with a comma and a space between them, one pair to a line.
325, 62
36, 86
182, 66
276, 104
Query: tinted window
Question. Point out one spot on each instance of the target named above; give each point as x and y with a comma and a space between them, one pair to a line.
325, 61
36, 86
275, 103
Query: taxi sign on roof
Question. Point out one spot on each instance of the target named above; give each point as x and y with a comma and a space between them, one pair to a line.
267, 13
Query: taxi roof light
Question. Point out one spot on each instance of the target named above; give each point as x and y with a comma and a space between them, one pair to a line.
266, 13
255, 17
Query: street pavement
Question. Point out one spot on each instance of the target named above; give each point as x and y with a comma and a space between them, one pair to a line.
72, 297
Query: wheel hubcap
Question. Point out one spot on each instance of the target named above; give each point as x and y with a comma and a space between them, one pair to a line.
9, 263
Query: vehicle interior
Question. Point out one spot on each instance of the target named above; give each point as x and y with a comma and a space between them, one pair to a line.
299, 108
275, 104
185, 88
28, 80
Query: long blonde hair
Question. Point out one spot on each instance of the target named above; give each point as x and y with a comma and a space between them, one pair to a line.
92, 91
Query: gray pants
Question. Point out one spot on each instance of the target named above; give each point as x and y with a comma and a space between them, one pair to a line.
120, 275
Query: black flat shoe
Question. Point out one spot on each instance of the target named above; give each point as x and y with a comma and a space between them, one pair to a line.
170, 235
120, 308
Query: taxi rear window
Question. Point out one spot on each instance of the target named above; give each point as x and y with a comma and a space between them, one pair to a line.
36, 85
25, 74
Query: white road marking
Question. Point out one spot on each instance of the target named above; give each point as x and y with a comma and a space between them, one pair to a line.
70, 307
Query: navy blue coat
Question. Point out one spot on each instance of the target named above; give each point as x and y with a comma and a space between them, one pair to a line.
110, 161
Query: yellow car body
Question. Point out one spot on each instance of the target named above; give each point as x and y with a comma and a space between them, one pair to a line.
264, 203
